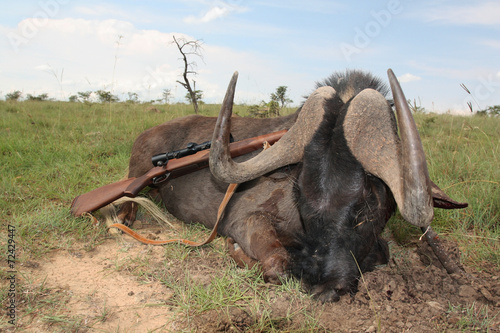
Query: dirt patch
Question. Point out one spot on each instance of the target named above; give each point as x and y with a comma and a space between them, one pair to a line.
99, 292
124, 286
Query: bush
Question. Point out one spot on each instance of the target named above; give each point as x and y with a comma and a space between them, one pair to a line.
492, 111
13, 96
39, 98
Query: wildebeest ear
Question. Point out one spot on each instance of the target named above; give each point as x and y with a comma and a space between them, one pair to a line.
442, 200
372, 135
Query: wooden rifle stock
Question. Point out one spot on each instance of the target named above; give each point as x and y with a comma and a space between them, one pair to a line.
102, 196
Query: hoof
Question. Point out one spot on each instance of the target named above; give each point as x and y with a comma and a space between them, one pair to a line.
275, 268
240, 257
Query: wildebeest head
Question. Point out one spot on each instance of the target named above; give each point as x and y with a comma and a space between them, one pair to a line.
354, 170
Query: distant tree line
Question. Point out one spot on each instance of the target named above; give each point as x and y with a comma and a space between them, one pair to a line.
16, 95
278, 100
492, 111
102, 96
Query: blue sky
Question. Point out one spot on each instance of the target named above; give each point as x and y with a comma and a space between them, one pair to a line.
61, 47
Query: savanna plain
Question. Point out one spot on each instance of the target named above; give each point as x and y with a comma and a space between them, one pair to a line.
72, 275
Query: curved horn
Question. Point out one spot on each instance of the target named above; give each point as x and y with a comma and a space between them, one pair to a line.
371, 134
288, 150
416, 182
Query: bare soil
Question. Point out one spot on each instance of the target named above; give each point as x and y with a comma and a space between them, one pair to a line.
114, 288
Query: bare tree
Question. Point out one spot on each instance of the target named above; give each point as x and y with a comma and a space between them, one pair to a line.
189, 48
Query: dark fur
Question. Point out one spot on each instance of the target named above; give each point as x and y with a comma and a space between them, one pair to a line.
343, 209
349, 83
319, 219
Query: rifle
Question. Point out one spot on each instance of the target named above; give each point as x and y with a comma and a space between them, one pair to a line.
192, 159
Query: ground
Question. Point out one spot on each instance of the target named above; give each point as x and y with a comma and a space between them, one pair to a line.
121, 285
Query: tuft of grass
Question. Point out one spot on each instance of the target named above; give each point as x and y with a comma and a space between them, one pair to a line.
194, 297
470, 318
36, 301
51, 152
242, 289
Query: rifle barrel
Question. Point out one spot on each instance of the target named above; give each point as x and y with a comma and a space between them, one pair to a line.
102, 196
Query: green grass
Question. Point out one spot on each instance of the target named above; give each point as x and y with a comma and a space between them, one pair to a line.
471, 318
463, 159
232, 288
51, 152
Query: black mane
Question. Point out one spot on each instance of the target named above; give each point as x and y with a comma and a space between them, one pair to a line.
349, 83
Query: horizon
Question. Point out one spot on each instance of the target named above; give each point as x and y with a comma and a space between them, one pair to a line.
62, 48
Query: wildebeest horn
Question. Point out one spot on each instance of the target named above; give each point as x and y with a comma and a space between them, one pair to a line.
288, 150
371, 134
416, 182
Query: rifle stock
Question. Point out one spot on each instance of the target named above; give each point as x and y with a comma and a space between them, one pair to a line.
131, 187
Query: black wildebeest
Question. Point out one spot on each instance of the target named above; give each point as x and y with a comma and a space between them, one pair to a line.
315, 203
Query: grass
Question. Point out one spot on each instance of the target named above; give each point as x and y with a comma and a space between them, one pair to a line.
46, 304
51, 152
463, 158
218, 292
239, 289
471, 318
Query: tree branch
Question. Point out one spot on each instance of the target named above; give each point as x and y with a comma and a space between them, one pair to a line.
189, 66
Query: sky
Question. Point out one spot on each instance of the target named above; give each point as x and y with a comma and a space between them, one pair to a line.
62, 47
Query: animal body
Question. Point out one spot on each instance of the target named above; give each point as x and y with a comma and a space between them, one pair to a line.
315, 203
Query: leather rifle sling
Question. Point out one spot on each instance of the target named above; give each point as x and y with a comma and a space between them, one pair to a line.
229, 193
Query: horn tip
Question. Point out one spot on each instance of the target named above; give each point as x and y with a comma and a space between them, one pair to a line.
391, 74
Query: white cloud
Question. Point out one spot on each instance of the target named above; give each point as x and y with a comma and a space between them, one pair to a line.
480, 14
43, 67
214, 13
106, 10
310, 6
86, 56
408, 78
493, 43
96, 10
